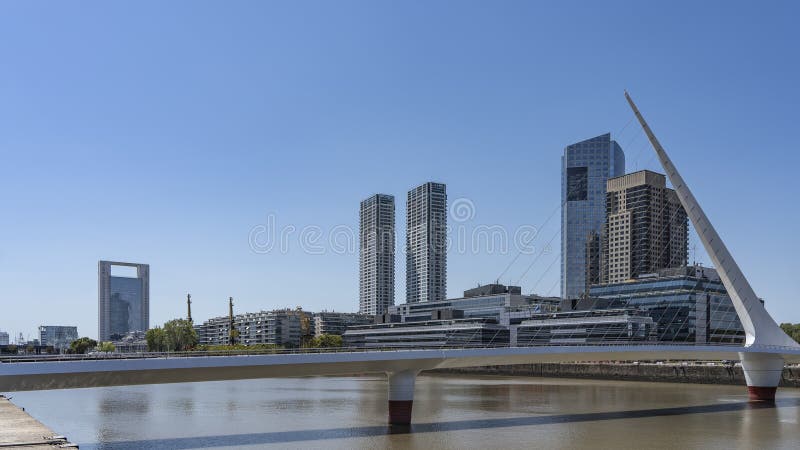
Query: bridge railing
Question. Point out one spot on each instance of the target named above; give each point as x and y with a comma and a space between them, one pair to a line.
304, 350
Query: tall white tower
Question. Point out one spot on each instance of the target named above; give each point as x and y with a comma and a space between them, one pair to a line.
376, 254
426, 243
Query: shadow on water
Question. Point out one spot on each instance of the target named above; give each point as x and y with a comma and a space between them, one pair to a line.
279, 437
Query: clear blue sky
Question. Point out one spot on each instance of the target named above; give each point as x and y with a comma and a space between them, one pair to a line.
163, 132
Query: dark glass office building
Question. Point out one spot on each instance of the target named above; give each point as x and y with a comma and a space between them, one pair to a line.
688, 304
585, 168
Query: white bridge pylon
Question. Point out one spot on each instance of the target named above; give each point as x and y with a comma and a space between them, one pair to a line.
762, 370
759, 327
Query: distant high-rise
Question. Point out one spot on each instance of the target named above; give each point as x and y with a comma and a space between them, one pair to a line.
585, 167
123, 303
4, 339
376, 258
646, 230
426, 243
59, 337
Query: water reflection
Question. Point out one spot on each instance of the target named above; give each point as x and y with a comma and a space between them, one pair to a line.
450, 412
354, 432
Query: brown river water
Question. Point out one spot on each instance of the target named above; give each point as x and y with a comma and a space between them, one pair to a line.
450, 412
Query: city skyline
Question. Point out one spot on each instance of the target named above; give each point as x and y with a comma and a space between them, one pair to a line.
487, 111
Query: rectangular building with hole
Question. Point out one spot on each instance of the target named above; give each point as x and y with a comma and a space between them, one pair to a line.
123, 303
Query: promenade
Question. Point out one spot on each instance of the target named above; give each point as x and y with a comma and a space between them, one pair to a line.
20, 430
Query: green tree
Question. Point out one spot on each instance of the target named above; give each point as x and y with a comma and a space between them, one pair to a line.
82, 345
155, 340
175, 336
107, 347
793, 330
256, 348
327, 341
180, 335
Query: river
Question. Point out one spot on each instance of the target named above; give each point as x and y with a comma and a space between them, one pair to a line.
450, 412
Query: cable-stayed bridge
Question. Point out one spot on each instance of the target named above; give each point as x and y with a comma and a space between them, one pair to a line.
765, 352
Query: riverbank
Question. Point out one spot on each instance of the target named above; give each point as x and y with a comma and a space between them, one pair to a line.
20, 430
711, 373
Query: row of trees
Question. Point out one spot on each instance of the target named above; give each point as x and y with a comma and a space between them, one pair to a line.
793, 330
179, 335
326, 341
85, 344
175, 336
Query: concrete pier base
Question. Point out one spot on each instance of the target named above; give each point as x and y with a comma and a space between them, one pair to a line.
762, 394
762, 372
400, 412
401, 396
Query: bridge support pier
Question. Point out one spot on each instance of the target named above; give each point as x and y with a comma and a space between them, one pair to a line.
763, 374
401, 396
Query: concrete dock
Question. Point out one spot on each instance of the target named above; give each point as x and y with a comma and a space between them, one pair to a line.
19, 430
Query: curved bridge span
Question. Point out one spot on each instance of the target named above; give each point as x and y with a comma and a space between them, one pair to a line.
762, 365
133, 370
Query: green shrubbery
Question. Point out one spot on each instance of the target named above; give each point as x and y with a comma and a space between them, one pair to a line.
326, 341
82, 345
238, 348
107, 347
177, 335
793, 330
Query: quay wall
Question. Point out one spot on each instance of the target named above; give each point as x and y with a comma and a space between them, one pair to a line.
670, 373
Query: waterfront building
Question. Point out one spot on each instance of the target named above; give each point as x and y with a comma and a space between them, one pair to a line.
376, 254
557, 328
131, 342
585, 168
494, 301
283, 327
336, 323
123, 303
458, 333
607, 326
688, 304
646, 227
426, 243
483, 316
4, 338
56, 336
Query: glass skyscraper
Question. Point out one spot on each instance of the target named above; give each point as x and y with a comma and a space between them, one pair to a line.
123, 303
585, 168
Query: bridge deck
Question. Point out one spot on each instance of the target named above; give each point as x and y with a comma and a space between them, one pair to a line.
21, 376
